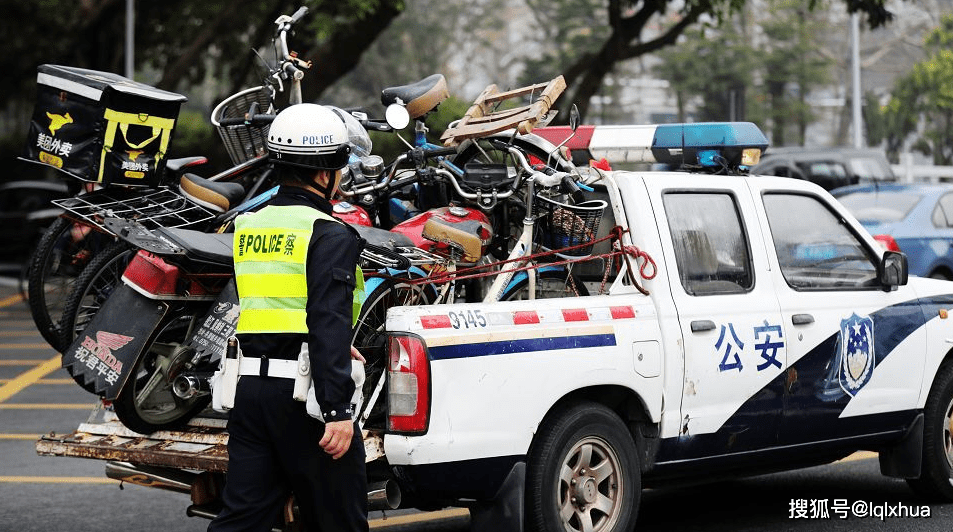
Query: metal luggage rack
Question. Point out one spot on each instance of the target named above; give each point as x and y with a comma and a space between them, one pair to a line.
161, 208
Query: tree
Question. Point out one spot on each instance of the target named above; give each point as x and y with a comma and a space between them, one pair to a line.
180, 43
921, 107
632, 25
711, 67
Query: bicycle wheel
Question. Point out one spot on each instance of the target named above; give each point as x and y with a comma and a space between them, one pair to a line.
59, 257
92, 288
370, 338
549, 284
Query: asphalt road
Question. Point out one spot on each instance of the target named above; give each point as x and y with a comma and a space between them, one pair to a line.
57, 494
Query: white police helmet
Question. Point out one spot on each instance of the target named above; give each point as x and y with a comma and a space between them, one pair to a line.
309, 136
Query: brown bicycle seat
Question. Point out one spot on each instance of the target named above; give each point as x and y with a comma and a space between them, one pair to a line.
419, 98
467, 242
214, 195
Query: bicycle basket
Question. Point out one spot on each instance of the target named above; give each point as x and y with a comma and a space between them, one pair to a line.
560, 225
243, 142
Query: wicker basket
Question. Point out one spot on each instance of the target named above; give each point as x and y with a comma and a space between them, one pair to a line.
243, 142
561, 225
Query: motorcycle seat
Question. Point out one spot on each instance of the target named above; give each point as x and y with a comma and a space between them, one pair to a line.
382, 237
177, 165
419, 98
214, 195
456, 236
207, 247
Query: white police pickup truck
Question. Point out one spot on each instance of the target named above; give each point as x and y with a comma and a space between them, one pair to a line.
775, 334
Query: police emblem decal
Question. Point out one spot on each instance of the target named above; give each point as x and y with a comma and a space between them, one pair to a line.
857, 353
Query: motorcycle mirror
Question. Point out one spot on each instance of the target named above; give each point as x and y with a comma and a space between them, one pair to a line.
397, 116
574, 118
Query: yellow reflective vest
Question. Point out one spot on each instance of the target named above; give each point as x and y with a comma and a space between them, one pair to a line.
271, 252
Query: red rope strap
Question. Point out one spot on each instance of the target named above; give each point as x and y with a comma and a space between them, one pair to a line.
491, 269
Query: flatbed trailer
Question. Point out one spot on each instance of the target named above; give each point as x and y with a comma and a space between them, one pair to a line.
192, 460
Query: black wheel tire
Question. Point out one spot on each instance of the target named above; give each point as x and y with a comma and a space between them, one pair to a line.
161, 360
370, 338
549, 284
936, 473
59, 257
583, 473
92, 288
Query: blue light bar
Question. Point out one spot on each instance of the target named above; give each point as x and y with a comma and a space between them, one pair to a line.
708, 144
731, 146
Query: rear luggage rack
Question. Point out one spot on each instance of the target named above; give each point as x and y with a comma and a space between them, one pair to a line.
161, 208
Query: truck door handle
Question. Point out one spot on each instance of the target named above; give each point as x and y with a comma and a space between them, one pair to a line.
802, 319
702, 326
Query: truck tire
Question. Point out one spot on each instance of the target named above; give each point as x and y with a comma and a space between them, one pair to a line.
583, 473
936, 473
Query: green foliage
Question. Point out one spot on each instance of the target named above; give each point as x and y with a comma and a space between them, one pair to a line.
711, 66
921, 107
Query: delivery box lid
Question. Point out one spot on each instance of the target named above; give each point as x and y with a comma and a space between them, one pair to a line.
91, 83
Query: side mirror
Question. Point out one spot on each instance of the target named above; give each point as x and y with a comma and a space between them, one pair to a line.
574, 118
894, 271
397, 116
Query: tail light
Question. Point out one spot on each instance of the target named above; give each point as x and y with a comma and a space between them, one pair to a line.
887, 242
151, 276
408, 385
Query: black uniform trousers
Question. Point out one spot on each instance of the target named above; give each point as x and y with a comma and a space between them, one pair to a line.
273, 450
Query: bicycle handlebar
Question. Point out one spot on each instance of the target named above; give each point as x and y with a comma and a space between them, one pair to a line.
302, 11
259, 119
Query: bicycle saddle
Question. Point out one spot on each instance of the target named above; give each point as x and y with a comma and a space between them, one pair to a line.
419, 98
219, 197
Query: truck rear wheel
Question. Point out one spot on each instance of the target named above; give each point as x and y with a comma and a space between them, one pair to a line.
936, 477
583, 473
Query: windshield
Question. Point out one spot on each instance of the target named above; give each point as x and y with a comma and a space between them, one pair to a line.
880, 207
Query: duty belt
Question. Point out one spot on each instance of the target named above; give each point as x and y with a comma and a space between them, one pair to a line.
265, 367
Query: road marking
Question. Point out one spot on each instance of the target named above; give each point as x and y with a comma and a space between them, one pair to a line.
45, 406
11, 300
29, 377
58, 480
21, 362
19, 437
417, 518
45, 381
33, 345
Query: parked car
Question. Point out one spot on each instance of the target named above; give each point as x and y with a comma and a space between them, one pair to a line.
916, 219
828, 167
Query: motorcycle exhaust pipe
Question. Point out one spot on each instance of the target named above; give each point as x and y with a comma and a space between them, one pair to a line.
153, 477
383, 496
187, 386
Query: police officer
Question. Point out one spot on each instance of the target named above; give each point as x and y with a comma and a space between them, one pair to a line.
296, 272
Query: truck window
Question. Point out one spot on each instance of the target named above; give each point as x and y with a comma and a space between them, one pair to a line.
816, 250
711, 249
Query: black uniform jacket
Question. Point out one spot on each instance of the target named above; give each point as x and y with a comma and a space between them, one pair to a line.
332, 257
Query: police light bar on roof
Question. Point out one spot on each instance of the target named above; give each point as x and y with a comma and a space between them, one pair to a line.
713, 145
